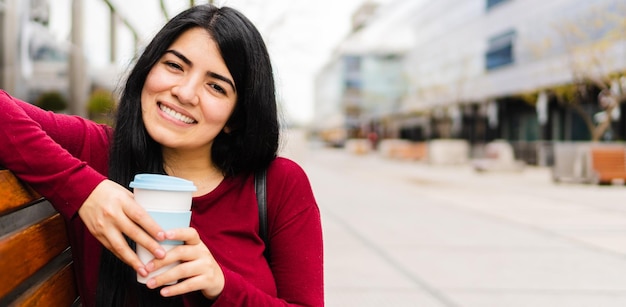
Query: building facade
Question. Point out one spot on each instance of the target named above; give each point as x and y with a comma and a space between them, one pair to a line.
32, 61
365, 80
527, 71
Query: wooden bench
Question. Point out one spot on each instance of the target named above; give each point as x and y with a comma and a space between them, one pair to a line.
35, 257
608, 164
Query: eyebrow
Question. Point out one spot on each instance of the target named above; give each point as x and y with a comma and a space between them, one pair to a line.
209, 73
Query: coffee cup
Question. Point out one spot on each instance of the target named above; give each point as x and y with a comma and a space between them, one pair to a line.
167, 199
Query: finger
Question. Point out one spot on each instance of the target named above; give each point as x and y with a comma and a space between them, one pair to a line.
191, 260
189, 235
112, 239
211, 284
201, 272
134, 229
180, 273
120, 248
182, 287
142, 239
141, 217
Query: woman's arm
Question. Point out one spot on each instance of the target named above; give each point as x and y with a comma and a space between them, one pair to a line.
296, 257
296, 249
49, 151
30, 152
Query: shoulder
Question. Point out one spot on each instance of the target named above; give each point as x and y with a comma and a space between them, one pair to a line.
4, 95
284, 164
287, 183
285, 169
7, 101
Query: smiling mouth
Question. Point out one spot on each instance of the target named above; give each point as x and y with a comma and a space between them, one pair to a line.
173, 114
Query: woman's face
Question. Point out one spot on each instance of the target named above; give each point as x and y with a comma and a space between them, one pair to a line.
189, 94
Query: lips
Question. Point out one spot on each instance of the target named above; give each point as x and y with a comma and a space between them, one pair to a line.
175, 115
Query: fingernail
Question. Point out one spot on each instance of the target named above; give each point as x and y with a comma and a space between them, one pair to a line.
150, 266
165, 292
151, 283
169, 234
161, 236
142, 272
159, 252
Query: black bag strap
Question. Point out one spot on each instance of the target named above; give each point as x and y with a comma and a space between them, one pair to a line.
260, 185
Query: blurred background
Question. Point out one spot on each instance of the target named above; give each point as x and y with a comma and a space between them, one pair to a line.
46, 44
463, 152
527, 72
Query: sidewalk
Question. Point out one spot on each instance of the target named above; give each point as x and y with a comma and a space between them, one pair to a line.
409, 234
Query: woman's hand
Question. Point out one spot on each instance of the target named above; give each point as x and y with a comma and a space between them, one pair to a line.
111, 211
198, 269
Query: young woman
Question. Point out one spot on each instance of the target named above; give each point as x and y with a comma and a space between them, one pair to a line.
199, 104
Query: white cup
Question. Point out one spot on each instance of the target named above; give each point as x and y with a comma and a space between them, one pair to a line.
168, 201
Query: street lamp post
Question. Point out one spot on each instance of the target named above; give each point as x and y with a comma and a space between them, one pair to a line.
9, 63
77, 69
112, 37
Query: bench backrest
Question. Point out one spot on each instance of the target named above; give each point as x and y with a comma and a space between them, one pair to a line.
35, 257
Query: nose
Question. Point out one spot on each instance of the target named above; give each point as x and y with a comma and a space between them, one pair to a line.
186, 91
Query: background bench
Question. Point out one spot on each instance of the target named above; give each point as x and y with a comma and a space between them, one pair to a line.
608, 164
35, 258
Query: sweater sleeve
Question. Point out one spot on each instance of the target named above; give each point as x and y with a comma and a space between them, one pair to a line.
49, 152
295, 239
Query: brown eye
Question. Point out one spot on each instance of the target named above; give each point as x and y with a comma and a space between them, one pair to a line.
174, 65
218, 88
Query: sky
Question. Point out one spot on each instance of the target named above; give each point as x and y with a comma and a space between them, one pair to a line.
300, 35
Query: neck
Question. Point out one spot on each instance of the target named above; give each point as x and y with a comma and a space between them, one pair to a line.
197, 167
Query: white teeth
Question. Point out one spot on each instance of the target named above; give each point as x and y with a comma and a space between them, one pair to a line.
174, 114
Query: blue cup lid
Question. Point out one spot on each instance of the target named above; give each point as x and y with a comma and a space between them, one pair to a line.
162, 182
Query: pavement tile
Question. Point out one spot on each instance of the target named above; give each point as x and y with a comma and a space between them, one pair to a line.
379, 297
512, 298
402, 233
493, 269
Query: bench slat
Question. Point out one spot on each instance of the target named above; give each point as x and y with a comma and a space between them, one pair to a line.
25, 252
14, 193
58, 290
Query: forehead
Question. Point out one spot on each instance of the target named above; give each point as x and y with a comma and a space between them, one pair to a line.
198, 46
195, 36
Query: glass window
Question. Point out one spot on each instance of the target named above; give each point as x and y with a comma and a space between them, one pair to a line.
353, 63
492, 3
500, 51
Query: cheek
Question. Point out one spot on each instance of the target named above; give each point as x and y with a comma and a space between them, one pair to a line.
218, 110
226, 113
158, 80
151, 84
146, 103
155, 83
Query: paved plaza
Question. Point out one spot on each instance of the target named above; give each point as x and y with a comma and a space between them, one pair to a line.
405, 233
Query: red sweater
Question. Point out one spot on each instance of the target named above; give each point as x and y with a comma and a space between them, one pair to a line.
65, 157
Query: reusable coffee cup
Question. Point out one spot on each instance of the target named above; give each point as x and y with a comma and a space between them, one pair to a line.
167, 200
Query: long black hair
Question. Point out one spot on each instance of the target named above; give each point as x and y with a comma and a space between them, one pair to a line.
251, 143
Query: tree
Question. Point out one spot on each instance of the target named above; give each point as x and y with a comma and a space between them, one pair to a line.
52, 101
100, 106
591, 40
125, 21
166, 14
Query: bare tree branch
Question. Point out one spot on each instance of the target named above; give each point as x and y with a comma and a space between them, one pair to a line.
587, 55
126, 22
164, 10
